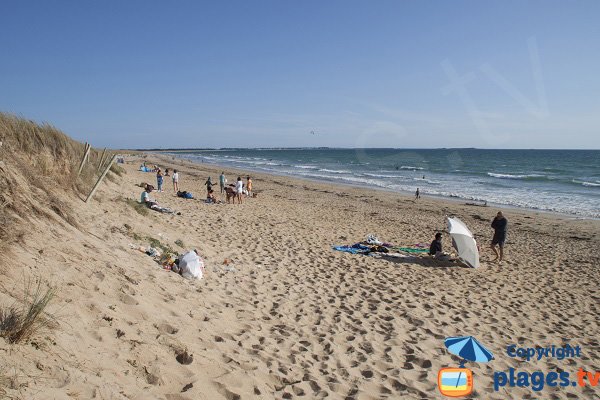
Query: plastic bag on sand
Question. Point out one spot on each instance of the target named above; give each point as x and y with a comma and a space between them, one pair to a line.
372, 239
191, 266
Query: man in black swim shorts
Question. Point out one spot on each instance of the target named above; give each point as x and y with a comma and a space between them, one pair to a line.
500, 225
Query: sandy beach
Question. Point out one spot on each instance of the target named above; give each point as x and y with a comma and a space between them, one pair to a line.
295, 319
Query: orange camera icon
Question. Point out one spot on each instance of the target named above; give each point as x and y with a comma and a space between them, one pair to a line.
455, 382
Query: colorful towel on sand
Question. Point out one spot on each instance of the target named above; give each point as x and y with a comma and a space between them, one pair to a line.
354, 249
411, 250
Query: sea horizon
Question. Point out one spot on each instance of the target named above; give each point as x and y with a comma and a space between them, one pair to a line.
167, 149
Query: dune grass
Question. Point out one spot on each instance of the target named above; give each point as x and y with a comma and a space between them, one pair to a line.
137, 206
38, 167
18, 323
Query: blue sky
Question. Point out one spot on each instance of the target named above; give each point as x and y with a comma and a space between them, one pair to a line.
139, 74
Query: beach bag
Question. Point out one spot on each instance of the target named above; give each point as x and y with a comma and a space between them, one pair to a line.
191, 266
185, 195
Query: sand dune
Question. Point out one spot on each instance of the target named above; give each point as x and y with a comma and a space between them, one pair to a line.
295, 319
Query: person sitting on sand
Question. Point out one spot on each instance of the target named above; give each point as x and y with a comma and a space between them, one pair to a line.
435, 249
146, 197
152, 204
500, 226
436, 245
210, 198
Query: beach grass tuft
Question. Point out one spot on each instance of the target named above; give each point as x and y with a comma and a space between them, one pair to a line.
19, 323
137, 206
117, 170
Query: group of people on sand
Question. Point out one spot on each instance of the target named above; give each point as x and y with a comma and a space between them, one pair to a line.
232, 191
160, 178
235, 191
500, 227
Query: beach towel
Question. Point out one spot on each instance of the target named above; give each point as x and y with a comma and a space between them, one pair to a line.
354, 249
411, 250
165, 210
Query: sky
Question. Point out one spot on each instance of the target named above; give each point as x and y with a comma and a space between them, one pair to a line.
401, 74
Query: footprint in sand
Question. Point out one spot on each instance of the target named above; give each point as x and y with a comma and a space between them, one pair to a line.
127, 299
166, 328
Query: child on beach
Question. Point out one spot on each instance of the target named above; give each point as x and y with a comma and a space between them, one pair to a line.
208, 184
239, 189
175, 180
159, 180
210, 198
249, 186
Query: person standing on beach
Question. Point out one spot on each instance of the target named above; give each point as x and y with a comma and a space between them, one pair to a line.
222, 181
175, 180
500, 226
417, 194
208, 184
239, 189
249, 186
159, 179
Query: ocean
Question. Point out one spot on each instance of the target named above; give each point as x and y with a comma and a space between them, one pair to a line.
564, 181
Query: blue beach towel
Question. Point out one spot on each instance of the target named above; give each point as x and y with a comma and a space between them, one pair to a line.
354, 249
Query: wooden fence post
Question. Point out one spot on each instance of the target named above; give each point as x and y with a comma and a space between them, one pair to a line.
102, 159
101, 178
85, 155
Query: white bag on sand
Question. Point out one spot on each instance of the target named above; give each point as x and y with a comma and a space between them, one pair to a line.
191, 265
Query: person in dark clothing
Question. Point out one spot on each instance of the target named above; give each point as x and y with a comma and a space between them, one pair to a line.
436, 245
417, 194
500, 226
208, 184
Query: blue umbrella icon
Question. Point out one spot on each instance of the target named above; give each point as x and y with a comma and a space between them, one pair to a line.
468, 348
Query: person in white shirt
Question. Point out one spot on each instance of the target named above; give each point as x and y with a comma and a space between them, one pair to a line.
239, 189
145, 198
175, 180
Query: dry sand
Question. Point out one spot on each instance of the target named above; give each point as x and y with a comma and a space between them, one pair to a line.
296, 319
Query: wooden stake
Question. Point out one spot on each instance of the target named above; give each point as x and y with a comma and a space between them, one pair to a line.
101, 178
102, 159
85, 155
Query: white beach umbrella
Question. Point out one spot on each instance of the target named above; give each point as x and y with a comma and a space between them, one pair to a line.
463, 242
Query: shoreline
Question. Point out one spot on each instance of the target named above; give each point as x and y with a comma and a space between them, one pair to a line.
403, 193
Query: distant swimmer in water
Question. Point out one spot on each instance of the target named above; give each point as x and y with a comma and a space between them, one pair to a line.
423, 176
